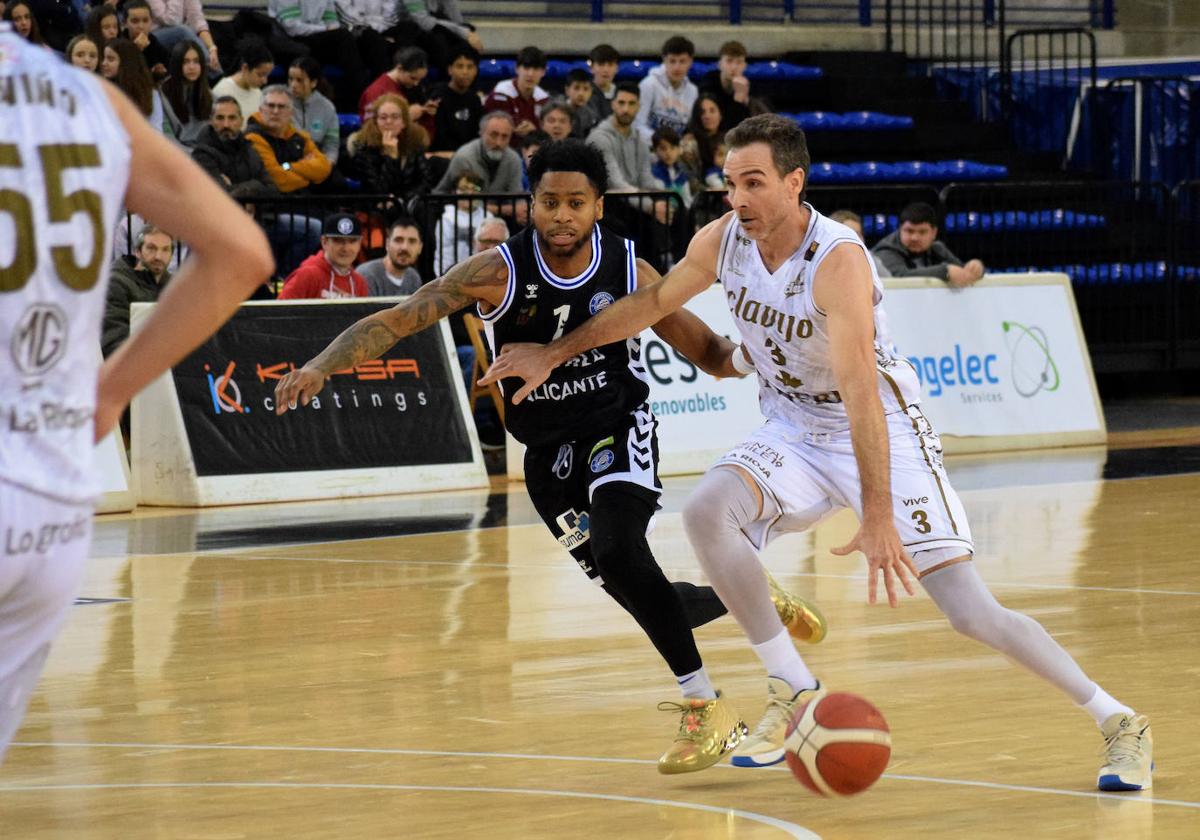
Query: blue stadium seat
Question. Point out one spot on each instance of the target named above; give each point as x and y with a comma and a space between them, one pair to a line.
495, 69
1025, 220
558, 70
904, 172
349, 123
765, 70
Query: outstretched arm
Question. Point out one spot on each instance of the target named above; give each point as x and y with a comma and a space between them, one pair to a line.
627, 317
693, 338
481, 277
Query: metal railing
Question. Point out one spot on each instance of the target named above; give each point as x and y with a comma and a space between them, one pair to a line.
964, 34
1145, 128
1041, 76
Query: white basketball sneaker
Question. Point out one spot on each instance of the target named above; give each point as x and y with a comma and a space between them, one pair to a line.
764, 746
1128, 753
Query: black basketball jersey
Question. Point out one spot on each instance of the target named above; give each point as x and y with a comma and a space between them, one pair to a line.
595, 391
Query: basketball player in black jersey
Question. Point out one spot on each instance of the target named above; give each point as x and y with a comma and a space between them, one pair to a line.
591, 464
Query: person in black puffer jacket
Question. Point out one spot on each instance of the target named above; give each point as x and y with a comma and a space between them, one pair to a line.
388, 153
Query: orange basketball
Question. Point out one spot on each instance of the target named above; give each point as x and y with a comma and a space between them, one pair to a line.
838, 745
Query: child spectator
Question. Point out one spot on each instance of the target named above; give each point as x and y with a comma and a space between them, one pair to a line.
667, 95
459, 105
460, 220
521, 97
102, 25
137, 29
667, 169
255, 65
584, 116
187, 100
603, 61
84, 53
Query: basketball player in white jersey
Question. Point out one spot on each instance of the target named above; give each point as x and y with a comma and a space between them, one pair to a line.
844, 429
68, 142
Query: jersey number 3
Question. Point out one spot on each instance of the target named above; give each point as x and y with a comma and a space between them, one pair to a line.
55, 159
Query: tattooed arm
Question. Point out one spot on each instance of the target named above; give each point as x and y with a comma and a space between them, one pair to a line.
483, 277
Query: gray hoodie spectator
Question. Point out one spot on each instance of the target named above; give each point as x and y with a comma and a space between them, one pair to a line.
628, 158
902, 262
667, 103
317, 116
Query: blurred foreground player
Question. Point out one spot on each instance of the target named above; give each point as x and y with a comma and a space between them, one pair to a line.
68, 142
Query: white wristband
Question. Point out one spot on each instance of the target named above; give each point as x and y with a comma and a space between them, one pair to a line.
743, 366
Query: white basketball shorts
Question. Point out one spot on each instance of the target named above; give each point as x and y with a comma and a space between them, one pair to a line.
806, 476
43, 549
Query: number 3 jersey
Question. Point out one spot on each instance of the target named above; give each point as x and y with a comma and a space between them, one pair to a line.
787, 335
64, 168
596, 390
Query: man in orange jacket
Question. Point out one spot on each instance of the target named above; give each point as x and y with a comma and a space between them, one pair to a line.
289, 155
330, 273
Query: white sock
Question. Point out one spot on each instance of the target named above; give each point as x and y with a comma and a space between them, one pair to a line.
782, 661
1102, 706
696, 686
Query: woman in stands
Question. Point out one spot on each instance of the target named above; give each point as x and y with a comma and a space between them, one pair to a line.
102, 24
124, 66
701, 139
388, 153
84, 53
20, 15
187, 99
312, 110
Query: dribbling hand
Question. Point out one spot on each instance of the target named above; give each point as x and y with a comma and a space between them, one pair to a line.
881, 545
297, 388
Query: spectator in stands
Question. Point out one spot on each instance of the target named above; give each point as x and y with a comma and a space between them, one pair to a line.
123, 66
667, 170
521, 97
702, 137
406, 80
291, 158
395, 273
312, 112
534, 140
224, 153
84, 53
139, 278
441, 27
557, 120
187, 100
314, 24
667, 95
728, 84
854, 221
603, 61
627, 156
102, 24
58, 21
388, 153
137, 29
178, 20
459, 105
379, 28
491, 233
913, 250
20, 15
584, 116
255, 65
330, 273
460, 219
489, 156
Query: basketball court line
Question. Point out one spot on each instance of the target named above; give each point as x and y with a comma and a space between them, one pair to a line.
1122, 590
792, 830
1149, 800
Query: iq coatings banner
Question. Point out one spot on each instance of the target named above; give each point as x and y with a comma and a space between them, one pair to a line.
399, 410
1003, 358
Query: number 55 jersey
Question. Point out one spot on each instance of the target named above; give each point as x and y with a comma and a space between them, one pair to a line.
64, 169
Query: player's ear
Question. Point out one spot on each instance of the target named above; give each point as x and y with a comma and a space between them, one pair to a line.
599, 208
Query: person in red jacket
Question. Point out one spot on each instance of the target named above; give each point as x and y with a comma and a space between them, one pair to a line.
407, 80
522, 97
330, 273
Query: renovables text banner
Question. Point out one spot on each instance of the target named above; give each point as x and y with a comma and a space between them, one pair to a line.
1003, 359
396, 411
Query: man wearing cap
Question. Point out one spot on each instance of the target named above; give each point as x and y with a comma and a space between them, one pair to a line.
330, 273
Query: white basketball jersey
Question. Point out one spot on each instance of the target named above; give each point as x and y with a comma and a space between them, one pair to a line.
787, 336
64, 168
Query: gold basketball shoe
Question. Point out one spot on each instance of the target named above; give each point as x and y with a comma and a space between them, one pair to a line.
1128, 753
765, 747
802, 620
708, 729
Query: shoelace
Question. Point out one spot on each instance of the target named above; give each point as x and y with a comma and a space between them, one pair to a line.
777, 710
1123, 746
691, 720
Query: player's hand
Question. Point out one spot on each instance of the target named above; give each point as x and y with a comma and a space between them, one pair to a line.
881, 545
530, 362
298, 387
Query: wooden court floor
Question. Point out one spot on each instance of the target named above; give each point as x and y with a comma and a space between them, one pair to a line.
472, 683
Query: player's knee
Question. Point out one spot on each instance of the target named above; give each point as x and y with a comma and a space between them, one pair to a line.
716, 504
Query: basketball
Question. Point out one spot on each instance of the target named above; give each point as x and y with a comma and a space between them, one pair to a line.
838, 745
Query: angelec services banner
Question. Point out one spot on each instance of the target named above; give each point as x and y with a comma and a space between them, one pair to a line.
399, 410
1005, 358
